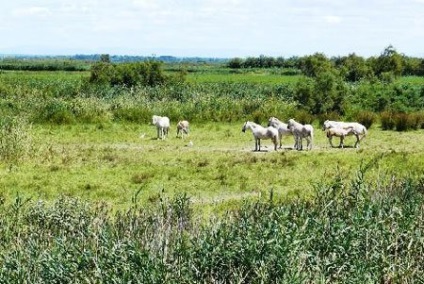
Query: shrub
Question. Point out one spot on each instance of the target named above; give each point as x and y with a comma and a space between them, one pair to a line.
366, 118
304, 117
404, 122
128, 74
417, 120
387, 120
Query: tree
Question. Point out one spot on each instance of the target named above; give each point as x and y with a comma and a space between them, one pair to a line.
313, 65
321, 95
390, 61
235, 63
105, 58
128, 74
353, 68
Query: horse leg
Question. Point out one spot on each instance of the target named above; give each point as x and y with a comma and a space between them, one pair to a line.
330, 139
357, 141
341, 141
259, 145
299, 143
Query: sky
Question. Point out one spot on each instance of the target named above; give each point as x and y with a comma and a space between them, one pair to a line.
212, 28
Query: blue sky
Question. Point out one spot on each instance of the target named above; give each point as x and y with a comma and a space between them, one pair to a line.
212, 28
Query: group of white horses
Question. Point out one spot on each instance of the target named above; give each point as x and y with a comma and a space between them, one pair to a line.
277, 129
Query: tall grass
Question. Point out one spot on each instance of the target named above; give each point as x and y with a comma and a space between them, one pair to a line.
15, 139
352, 231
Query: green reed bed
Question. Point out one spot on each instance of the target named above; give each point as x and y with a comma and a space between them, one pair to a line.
349, 232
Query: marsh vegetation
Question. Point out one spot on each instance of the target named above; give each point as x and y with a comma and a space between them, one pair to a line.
89, 194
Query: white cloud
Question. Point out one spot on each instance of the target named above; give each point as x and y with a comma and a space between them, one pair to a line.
31, 11
333, 19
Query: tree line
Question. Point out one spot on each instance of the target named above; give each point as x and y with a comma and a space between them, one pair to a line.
388, 65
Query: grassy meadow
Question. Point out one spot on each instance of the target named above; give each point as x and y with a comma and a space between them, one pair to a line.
118, 161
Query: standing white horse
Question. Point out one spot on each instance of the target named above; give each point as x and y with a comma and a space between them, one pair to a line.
260, 132
359, 130
301, 131
281, 127
339, 132
162, 125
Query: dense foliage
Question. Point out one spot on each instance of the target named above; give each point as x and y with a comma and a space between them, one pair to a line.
347, 89
352, 67
128, 74
351, 232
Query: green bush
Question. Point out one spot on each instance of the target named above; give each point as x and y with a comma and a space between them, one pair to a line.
417, 120
366, 118
404, 122
128, 74
304, 117
387, 119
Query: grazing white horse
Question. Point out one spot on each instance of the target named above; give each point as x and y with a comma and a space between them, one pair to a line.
301, 131
359, 130
183, 127
339, 132
260, 132
162, 125
281, 127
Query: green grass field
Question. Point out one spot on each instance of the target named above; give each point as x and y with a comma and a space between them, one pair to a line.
116, 162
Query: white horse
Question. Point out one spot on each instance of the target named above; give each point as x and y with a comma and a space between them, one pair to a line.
260, 132
183, 127
359, 130
281, 127
162, 125
339, 132
301, 131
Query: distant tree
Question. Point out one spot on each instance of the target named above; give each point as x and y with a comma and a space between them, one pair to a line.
147, 73
251, 62
411, 66
101, 73
390, 61
266, 61
105, 58
313, 65
235, 63
353, 68
321, 95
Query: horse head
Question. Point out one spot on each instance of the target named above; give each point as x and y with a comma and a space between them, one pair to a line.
244, 127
